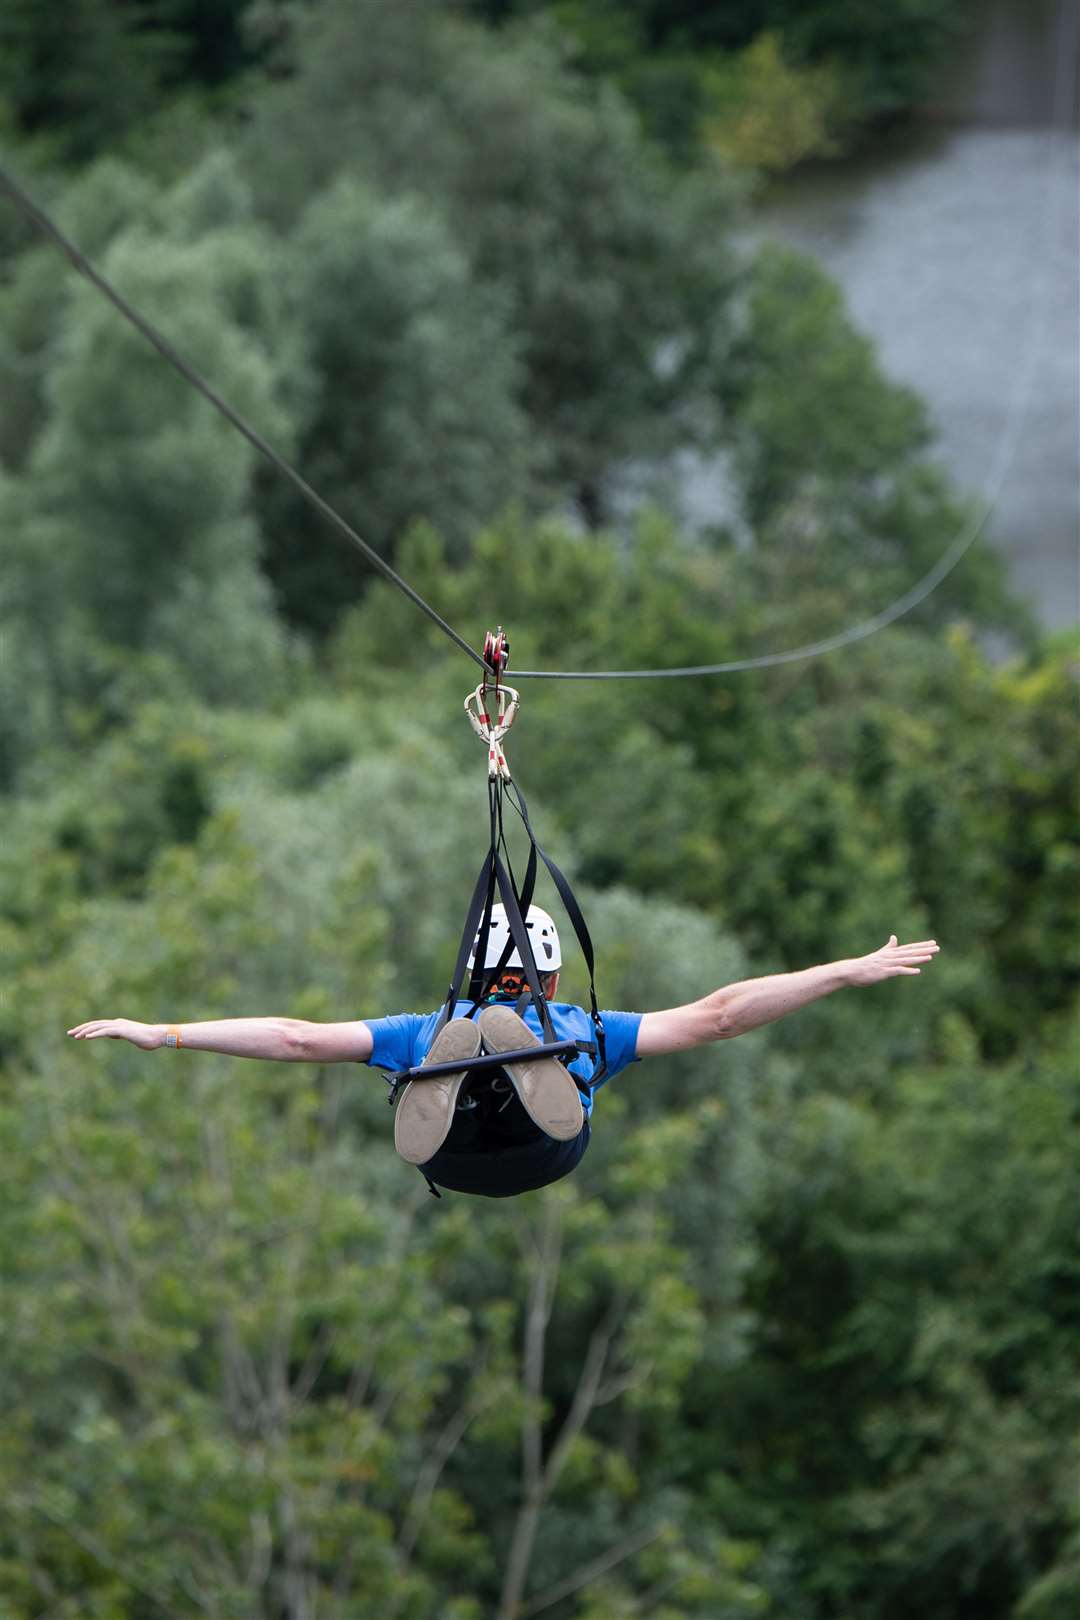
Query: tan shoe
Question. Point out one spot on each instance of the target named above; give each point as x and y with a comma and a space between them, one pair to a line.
548, 1093
425, 1109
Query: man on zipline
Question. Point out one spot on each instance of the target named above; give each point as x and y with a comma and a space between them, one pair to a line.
498, 1132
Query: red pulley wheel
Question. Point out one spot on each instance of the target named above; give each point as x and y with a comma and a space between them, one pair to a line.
496, 650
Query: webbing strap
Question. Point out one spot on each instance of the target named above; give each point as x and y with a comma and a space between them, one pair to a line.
496, 877
483, 979
580, 927
519, 933
479, 906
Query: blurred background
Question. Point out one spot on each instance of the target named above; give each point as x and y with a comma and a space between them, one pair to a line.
661, 333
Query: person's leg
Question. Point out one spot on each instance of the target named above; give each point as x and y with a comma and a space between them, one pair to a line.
547, 1091
425, 1110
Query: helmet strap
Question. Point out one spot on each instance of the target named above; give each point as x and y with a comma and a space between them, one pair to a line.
509, 986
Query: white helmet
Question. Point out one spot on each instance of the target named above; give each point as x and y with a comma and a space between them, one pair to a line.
543, 937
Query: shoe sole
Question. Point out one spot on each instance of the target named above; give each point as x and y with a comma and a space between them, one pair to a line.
425, 1109
548, 1094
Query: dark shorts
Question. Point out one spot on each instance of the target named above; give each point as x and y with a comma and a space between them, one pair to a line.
496, 1151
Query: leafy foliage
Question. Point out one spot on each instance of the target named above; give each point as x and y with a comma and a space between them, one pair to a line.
92, 74
412, 396
616, 288
763, 114
770, 82
799, 1337
171, 573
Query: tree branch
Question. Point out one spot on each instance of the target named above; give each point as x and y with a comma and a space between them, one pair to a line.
262, 1550
587, 1573
297, 1582
584, 1400
243, 1392
617, 1385
660, 1589
316, 1359
100, 1554
428, 1478
537, 1316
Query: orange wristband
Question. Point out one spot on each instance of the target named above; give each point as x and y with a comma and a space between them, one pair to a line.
173, 1036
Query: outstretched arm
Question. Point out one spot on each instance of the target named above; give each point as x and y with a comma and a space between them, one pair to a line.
738, 1008
291, 1040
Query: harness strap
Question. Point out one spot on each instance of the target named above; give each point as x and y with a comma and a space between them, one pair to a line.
494, 877
580, 927
484, 979
519, 933
479, 907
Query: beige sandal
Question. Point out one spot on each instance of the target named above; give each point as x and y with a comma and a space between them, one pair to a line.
548, 1093
425, 1110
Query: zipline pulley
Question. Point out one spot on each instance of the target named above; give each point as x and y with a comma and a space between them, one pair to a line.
496, 652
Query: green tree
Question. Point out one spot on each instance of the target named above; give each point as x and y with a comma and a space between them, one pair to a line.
130, 526
614, 276
761, 113
83, 78
209, 1271
832, 464
920, 1263
410, 395
83, 74
848, 65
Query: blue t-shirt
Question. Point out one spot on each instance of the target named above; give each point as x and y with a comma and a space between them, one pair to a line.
403, 1041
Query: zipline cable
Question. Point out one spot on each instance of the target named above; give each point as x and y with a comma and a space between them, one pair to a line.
81, 263
895, 610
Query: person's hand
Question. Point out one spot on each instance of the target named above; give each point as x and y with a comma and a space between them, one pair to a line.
891, 961
146, 1036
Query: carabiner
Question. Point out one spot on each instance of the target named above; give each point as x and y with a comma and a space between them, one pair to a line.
491, 721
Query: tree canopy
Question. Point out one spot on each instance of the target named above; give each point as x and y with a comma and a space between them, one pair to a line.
799, 1338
